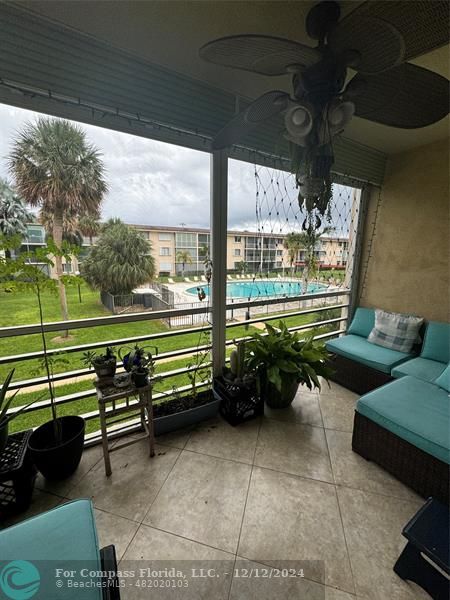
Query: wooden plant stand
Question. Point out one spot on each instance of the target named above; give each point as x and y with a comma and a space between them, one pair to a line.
113, 411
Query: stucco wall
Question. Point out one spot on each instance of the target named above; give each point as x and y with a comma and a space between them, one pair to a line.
408, 266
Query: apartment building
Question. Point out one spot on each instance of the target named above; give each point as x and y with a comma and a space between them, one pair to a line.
242, 246
258, 251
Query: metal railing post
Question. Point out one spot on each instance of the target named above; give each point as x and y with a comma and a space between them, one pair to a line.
219, 209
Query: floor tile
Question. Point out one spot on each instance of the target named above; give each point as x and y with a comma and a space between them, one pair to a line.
293, 448
90, 457
290, 518
350, 469
254, 581
338, 408
115, 530
155, 549
373, 525
40, 502
135, 481
218, 438
203, 499
177, 439
304, 409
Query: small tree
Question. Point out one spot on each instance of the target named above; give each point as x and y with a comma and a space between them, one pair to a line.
242, 266
184, 258
19, 274
293, 245
89, 226
309, 240
13, 214
121, 260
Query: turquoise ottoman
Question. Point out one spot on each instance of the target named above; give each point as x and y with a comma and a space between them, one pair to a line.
49, 557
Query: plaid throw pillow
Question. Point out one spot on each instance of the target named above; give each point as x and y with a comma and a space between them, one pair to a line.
395, 331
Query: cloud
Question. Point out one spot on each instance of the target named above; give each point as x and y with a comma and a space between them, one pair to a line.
153, 183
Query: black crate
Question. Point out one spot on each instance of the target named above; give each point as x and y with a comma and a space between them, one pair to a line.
238, 403
17, 475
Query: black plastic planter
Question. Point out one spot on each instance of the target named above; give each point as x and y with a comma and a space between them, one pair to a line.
58, 461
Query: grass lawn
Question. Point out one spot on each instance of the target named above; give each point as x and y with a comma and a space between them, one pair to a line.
20, 309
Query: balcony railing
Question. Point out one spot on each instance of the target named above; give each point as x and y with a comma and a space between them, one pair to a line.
336, 300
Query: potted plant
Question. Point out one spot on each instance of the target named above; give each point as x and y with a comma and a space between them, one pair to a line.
104, 364
188, 405
56, 446
139, 363
237, 389
282, 360
6, 419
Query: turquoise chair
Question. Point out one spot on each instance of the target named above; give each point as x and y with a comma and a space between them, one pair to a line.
39, 557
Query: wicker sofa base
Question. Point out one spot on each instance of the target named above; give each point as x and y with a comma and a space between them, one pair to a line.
355, 376
425, 474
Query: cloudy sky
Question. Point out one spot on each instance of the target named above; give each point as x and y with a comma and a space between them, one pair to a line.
153, 183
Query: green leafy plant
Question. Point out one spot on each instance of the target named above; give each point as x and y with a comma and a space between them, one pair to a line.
200, 368
5, 403
92, 359
138, 358
281, 355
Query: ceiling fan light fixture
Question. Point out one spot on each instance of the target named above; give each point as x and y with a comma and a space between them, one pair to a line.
299, 121
339, 115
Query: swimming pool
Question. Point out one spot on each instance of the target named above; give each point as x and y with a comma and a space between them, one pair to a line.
262, 288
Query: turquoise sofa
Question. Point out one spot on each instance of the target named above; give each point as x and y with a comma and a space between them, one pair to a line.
434, 357
404, 426
63, 538
358, 364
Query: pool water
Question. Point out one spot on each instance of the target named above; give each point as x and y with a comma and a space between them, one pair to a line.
262, 289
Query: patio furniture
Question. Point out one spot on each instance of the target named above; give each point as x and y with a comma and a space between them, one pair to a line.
403, 427
187, 280
360, 365
434, 356
195, 278
203, 278
427, 534
138, 401
170, 280
17, 475
63, 538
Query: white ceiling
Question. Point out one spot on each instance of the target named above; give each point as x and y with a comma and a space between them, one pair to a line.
170, 33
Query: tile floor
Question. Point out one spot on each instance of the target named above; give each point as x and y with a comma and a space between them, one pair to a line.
286, 487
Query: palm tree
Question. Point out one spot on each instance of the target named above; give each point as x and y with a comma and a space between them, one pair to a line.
184, 258
292, 243
13, 214
309, 240
55, 168
121, 260
89, 225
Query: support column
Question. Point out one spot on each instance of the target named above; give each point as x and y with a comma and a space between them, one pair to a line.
356, 259
219, 210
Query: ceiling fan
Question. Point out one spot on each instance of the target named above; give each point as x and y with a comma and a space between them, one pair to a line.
375, 40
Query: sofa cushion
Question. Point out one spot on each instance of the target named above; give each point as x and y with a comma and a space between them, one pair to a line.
414, 410
359, 349
362, 322
62, 538
443, 381
422, 368
436, 344
395, 331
